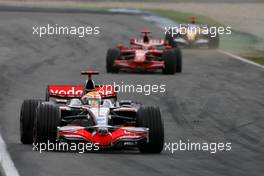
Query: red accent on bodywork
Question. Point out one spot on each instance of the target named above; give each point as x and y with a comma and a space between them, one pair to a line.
145, 31
105, 140
69, 91
140, 65
121, 133
142, 56
73, 91
102, 140
132, 40
106, 91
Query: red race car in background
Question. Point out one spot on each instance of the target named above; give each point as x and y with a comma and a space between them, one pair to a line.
144, 54
91, 114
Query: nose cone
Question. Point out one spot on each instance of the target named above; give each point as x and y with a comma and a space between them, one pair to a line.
102, 140
103, 131
140, 56
191, 36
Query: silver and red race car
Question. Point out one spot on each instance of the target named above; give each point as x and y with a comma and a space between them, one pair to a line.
144, 54
91, 114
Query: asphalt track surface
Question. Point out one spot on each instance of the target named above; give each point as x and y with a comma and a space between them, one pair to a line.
216, 99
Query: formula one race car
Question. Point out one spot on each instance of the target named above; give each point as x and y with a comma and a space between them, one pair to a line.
91, 114
144, 54
192, 36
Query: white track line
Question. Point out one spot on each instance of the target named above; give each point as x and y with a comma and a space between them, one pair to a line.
241, 58
7, 167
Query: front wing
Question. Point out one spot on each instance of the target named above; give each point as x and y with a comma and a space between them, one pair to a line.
131, 65
105, 140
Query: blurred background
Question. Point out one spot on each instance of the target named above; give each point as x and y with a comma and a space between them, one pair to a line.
246, 17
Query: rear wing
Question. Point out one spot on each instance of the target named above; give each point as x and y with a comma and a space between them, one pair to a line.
76, 91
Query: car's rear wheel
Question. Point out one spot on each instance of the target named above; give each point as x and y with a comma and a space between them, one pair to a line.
47, 120
169, 62
170, 39
112, 55
214, 42
178, 58
150, 117
47, 96
27, 116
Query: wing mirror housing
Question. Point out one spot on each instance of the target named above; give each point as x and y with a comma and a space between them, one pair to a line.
132, 41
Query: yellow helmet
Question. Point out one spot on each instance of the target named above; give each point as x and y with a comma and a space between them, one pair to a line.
92, 99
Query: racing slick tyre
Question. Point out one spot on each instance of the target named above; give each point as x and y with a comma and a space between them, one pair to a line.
150, 117
47, 120
170, 39
47, 96
178, 58
214, 42
27, 116
112, 55
169, 62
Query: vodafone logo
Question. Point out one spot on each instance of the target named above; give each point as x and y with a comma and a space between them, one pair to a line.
66, 91
77, 91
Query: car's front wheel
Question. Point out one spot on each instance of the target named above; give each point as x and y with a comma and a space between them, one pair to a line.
150, 117
112, 55
169, 38
214, 42
27, 117
47, 120
169, 62
178, 58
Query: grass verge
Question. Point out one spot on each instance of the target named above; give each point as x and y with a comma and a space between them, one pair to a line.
255, 56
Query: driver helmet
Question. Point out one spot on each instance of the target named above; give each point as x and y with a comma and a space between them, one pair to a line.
92, 99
